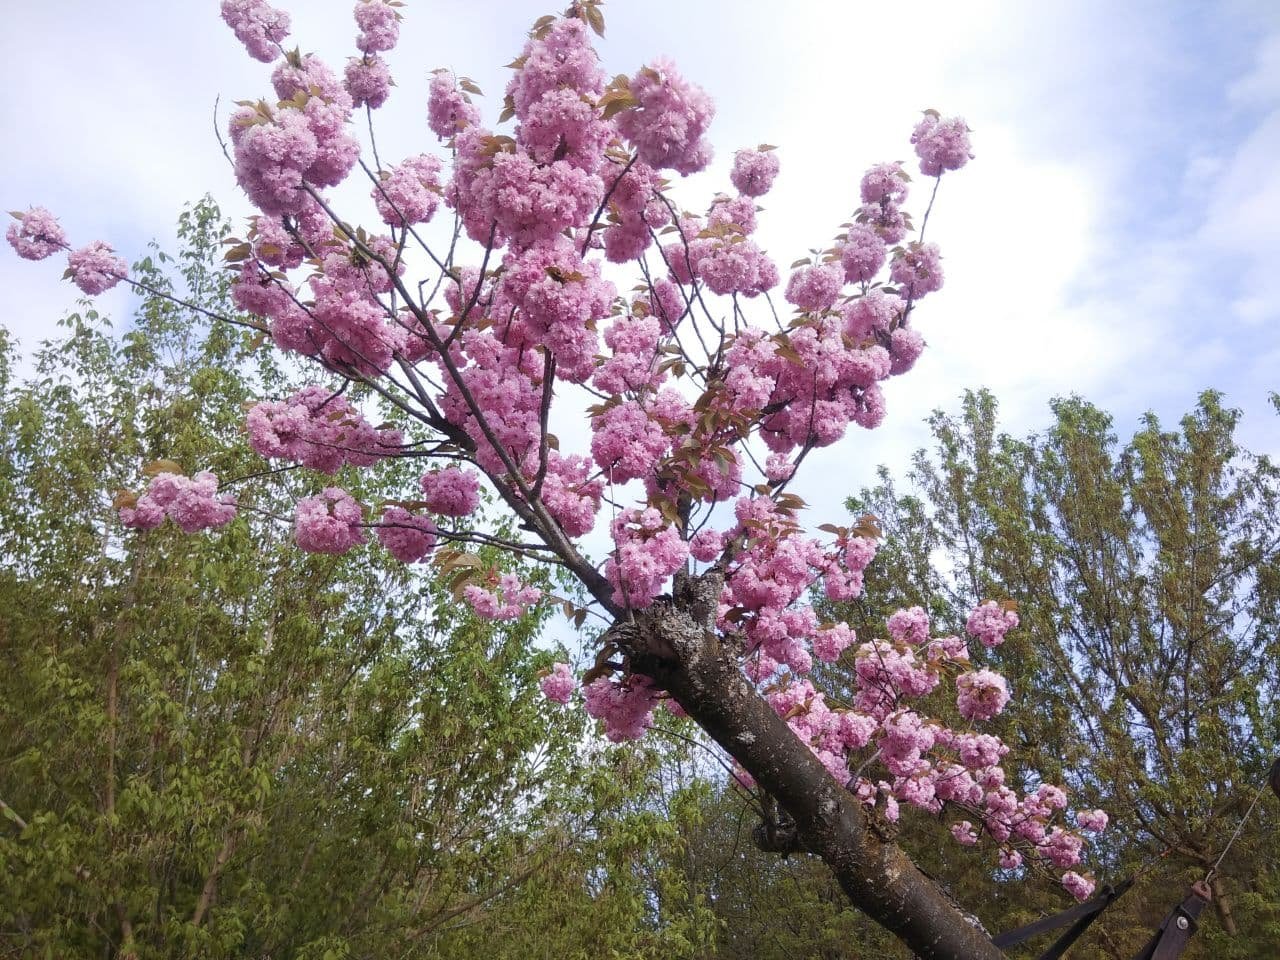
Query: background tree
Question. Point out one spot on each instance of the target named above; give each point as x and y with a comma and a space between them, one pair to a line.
215, 747
1146, 576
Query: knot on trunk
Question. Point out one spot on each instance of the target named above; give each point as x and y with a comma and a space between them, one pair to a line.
881, 826
699, 596
675, 631
777, 832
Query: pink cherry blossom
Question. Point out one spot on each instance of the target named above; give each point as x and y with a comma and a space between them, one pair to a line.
36, 234
410, 192
96, 269
559, 685
667, 125
331, 522
625, 706
1095, 821
407, 537
918, 270
981, 694
379, 25
509, 600
647, 550
258, 25
448, 108
909, 626
754, 171
368, 80
941, 144
319, 429
193, 503
989, 622
862, 254
884, 182
815, 288
453, 492
1078, 886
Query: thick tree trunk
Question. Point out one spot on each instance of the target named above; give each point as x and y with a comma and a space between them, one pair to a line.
674, 643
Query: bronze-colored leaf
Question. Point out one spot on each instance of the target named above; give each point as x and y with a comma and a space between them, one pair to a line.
157, 467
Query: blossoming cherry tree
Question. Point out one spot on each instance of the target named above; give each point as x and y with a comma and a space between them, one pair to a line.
571, 279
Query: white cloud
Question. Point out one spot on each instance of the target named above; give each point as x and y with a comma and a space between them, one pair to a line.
1079, 246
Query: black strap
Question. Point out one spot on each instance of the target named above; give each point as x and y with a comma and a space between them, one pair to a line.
1081, 915
1171, 939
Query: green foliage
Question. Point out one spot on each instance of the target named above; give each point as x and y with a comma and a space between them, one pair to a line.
1144, 670
216, 746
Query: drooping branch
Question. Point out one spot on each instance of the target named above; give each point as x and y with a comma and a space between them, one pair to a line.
674, 643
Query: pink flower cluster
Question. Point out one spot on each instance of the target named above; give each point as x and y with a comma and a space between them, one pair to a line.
320, 429
885, 673
1095, 821
625, 706
981, 694
258, 25
301, 141
452, 492
909, 626
989, 622
510, 600
814, 289
1079, 887
344, 324
862, 254
632, 366
627, 441
96, 269
36, 234
767, 578
571, 494
409, 193
918, 270
193, 503
379, 25
721, 255
368, 81
928, 764
547, 180
503, 382
509, 192
667, 125
407, 536
559, 298
754, 172
562, 58
830, 386
941, 144
559, 684
449, 110
560, 125
331, 522
647, 550
638, 212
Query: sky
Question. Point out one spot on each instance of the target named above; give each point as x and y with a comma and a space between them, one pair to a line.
1116, 234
